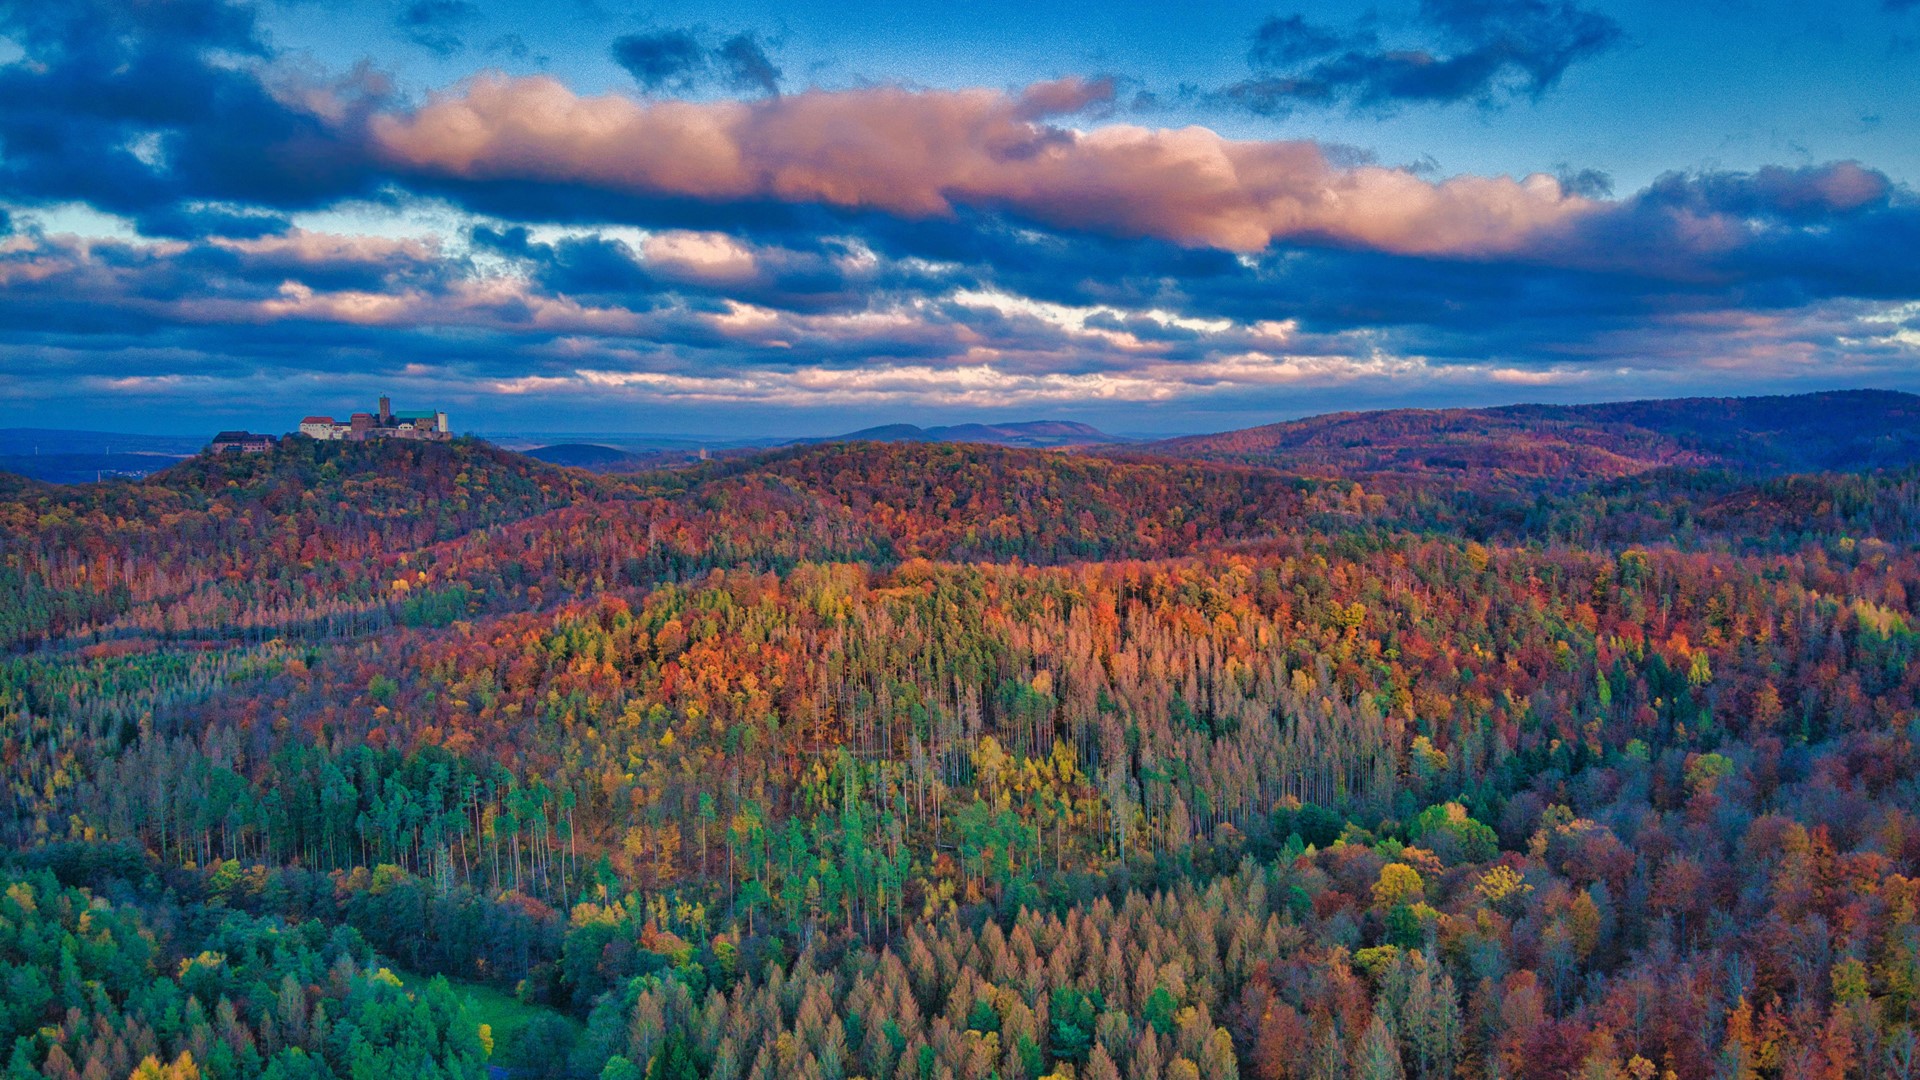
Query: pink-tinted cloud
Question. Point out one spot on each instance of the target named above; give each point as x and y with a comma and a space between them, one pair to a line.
927, 154
1063, 97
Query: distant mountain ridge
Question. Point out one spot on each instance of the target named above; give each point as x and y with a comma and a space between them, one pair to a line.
1033, 434
1835, 431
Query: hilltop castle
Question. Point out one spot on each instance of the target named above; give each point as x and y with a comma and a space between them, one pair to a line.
386, 424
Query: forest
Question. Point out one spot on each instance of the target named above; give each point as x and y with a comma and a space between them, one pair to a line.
1567, 746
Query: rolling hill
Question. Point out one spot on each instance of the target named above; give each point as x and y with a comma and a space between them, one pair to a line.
1853, 430
586, 456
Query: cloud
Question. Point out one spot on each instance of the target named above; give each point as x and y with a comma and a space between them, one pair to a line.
119, 120
677, 61
875, 245
1064, 97
1801, 195
1586, 183
436, 25
1483, 51
666, 59
136, 108
746, 65
671, 316
1784, 236
931, 154
1282, 42
510, 45
178, 221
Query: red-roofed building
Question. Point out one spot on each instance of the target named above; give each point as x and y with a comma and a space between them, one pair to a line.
385, 424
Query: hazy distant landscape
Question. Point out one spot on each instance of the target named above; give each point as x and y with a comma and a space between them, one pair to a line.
72, 457
1843, 430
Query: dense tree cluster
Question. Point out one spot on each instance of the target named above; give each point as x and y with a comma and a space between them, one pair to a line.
97, 988
927, 761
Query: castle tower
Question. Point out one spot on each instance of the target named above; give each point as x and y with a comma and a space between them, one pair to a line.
386, 411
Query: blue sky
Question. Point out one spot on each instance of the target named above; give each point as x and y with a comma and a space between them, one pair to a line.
1716, 84
745, 217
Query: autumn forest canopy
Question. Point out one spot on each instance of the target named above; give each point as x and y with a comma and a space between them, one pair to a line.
1542, 743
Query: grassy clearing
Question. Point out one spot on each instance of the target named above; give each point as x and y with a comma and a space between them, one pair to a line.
506, 1015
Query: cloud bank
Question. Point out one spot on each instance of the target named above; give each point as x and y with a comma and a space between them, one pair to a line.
932, 154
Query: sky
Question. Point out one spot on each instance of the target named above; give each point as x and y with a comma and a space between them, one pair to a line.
743, 218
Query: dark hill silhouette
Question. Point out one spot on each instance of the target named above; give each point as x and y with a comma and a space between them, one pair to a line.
586, 456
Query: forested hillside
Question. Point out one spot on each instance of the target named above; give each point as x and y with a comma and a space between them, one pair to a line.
927, 760
1844, 430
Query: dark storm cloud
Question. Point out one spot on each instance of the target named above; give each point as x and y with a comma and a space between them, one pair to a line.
437, 25
1483, 51
677, 60
142, 109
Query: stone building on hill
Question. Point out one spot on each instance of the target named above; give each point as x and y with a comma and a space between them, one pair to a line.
385, 424
242, 442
